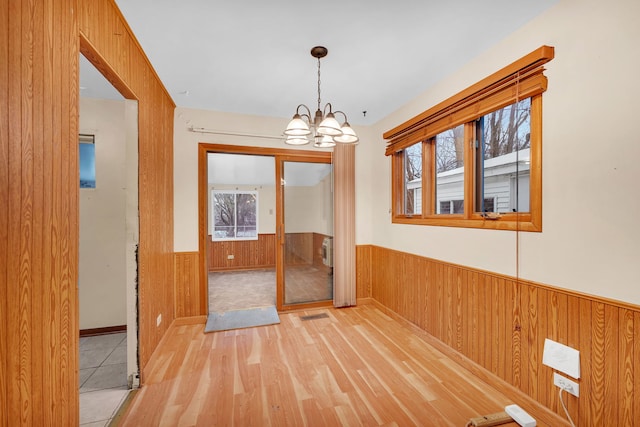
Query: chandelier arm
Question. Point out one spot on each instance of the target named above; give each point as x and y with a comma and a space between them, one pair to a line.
308, 115
328, 104
343, 115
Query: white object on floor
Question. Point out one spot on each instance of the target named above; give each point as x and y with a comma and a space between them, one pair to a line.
520, 416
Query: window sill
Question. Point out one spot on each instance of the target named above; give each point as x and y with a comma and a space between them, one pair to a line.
504, 222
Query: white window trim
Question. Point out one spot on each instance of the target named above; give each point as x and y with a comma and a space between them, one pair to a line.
212, 216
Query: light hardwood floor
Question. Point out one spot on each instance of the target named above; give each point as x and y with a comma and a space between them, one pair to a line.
353, 366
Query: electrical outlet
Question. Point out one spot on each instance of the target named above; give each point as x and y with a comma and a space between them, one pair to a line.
566, 384
230, 257
490, 420
159, 319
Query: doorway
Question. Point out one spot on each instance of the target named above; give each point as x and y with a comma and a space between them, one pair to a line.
307, 224
241, 224
109, 231
275, 254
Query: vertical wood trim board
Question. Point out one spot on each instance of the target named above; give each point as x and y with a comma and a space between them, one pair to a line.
500, 324
38, 213
187, 289
107, 40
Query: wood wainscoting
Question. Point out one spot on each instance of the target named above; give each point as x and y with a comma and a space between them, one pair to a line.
246, 254
303, 248
500, 323
187, 288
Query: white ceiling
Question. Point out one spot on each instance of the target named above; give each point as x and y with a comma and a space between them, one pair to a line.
252, 56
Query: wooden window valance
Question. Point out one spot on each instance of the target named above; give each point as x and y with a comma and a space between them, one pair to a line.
522, 79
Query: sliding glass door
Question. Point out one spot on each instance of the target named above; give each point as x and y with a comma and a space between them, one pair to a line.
306, 239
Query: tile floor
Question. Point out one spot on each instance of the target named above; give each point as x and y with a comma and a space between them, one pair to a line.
103, 378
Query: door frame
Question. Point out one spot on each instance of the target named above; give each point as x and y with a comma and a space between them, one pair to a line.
132, 220
277, 153
281, 231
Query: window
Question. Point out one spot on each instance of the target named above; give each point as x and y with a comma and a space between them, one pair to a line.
474, 160
87, 161
234, 215
412, 160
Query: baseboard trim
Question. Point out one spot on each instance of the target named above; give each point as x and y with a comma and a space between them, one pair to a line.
538, 411
103, 331
366, 301
191, 320
242, 268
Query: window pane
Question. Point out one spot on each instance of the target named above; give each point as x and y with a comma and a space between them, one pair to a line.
246, 215
449, 147
503, 162
87, 161
413, 179
224, 215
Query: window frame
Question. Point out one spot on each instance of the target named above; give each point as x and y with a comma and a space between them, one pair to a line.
88, 140
213, 215
501, 89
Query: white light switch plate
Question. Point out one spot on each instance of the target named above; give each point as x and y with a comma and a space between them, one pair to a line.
561, 357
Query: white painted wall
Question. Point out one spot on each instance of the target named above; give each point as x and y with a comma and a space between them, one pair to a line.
103, 239
591, 153
591, 158
310, 208
186, 159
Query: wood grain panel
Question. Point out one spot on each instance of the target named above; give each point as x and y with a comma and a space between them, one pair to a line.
363, 271
39, 214
186, 282
39, 51
108, 42
500, 324
247, 254
298, 248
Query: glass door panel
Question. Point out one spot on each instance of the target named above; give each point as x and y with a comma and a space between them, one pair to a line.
308, 232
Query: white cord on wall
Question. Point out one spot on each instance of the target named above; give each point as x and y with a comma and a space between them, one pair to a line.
565, 408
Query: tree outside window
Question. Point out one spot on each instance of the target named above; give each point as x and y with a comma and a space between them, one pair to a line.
235, 215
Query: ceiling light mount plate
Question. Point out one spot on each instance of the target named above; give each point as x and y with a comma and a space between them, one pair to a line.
319, 52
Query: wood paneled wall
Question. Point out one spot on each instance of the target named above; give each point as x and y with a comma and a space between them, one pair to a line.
39, 183
187, 288
363, 271
500, 324
39, 187
108, 42
247, 254
302, 248
298, 248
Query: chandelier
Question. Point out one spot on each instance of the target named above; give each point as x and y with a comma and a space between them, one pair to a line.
324, 129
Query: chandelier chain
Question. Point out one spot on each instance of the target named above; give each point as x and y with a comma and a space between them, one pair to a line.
318, 83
